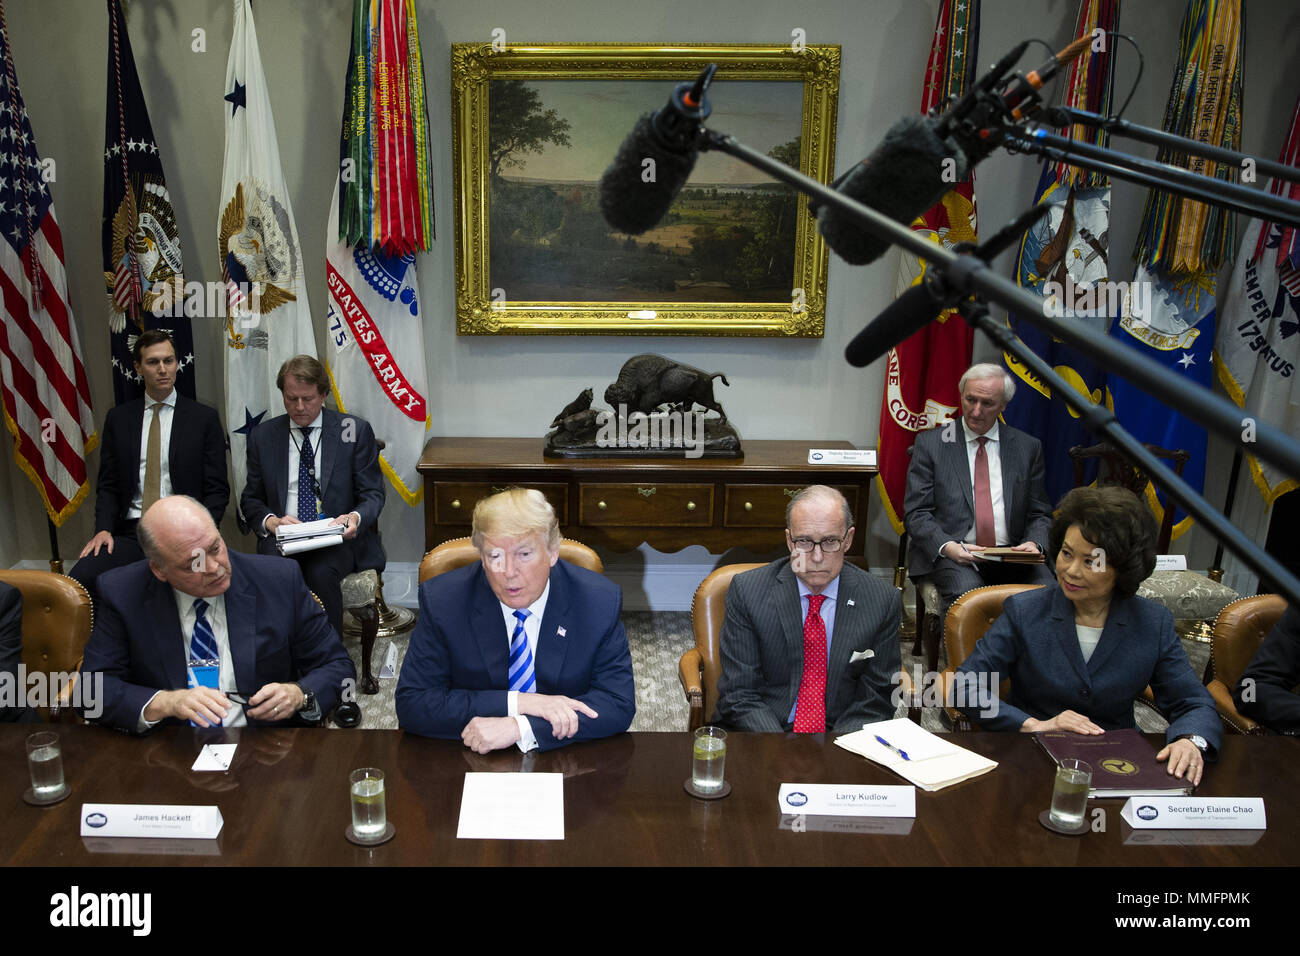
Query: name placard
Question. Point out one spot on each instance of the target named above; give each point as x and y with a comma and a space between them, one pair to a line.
1171, 562
842, 456
150, 820
850, 800
1194, 813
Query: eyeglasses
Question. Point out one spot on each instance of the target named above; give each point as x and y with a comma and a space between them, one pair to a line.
828, 545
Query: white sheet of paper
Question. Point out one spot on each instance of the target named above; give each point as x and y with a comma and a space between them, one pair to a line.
512, 806
305, 529
289, 546
215, 757
915, 741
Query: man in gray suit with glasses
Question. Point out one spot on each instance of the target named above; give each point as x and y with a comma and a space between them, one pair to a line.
974, 484
809, 643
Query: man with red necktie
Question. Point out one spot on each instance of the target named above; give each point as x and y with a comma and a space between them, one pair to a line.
973, 485
808, 642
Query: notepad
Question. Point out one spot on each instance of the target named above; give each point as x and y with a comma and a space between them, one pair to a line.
934, 762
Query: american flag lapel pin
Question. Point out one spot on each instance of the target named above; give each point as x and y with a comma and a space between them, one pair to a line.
561, 631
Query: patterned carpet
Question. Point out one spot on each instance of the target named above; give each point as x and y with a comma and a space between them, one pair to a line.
657, 640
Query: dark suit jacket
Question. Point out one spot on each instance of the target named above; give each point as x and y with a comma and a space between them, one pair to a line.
278, 633
196, 460
11, 647
1035, 644
762, 650
939, 505
458, 663
1275, 671
350, 480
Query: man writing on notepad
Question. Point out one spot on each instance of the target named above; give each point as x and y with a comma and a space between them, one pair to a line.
313, 463
974, 485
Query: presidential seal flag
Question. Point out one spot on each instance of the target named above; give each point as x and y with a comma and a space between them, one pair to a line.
43, 387
143, 272
1065, 258
1169, 315
1258, 351
922, 371
268, 319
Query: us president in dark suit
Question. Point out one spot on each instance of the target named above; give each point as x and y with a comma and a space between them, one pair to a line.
1078, 652
1267, 690
273, 646
972, 485
313, 463
518, 647
190, 446
809, 643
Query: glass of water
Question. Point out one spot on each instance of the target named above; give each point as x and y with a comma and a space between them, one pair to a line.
1070, 793
369, 813
708, 759
45, 762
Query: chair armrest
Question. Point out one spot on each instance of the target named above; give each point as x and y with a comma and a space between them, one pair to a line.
690, 671
956, 718
1222, 695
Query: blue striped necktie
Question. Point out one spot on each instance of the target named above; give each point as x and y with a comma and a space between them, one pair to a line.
521, 658
203, 643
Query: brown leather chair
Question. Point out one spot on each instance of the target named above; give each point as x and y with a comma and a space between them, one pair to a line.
969, 619
1238, 631
57, 617
700, 666
459, 552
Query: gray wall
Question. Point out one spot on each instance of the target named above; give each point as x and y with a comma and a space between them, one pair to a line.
780, 389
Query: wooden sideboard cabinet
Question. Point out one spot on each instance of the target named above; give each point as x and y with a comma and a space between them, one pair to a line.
619, 503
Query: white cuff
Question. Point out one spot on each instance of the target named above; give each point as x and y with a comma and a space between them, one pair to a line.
512, 703
527, 739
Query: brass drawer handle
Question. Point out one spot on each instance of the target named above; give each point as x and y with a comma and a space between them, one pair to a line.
749, 506
455, 502
497, 490
601, 505
646, 492
690, 506
791, 492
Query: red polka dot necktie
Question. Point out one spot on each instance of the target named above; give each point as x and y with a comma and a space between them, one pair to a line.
810, 712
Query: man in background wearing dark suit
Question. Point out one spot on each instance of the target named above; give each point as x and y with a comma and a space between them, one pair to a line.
11, 650
809, 643
975, 485
158, 445
247, 620
313, 463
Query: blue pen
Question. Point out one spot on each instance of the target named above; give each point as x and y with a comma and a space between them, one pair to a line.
886, 743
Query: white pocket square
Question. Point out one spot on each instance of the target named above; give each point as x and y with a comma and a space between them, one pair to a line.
861, 655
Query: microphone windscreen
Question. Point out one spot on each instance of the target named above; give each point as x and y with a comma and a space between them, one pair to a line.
634, 194
911, 311
902, 178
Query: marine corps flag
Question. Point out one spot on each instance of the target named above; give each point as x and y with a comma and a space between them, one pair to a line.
141, 241
375, 322
922, 371
1258, 351
268, 318
1182, 243
1065, 258
43, 388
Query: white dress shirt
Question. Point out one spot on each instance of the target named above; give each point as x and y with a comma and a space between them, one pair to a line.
991, 449
164, 449
216, 615
532, 630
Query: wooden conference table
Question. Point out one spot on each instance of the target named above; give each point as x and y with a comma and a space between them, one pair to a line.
285, 802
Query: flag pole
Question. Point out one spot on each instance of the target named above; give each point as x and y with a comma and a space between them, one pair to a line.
56, 563
1215, 573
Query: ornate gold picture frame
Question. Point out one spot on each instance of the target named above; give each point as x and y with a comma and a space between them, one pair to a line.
737, 254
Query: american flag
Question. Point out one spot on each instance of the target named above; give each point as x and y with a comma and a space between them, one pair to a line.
43, 383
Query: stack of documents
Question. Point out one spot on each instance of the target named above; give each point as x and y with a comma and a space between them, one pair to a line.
1009, 555
925, 759
308, 536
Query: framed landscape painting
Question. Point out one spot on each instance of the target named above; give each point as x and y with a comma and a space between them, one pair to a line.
534, 127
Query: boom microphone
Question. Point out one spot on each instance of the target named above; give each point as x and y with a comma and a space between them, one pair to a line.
921, 158
655, 159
